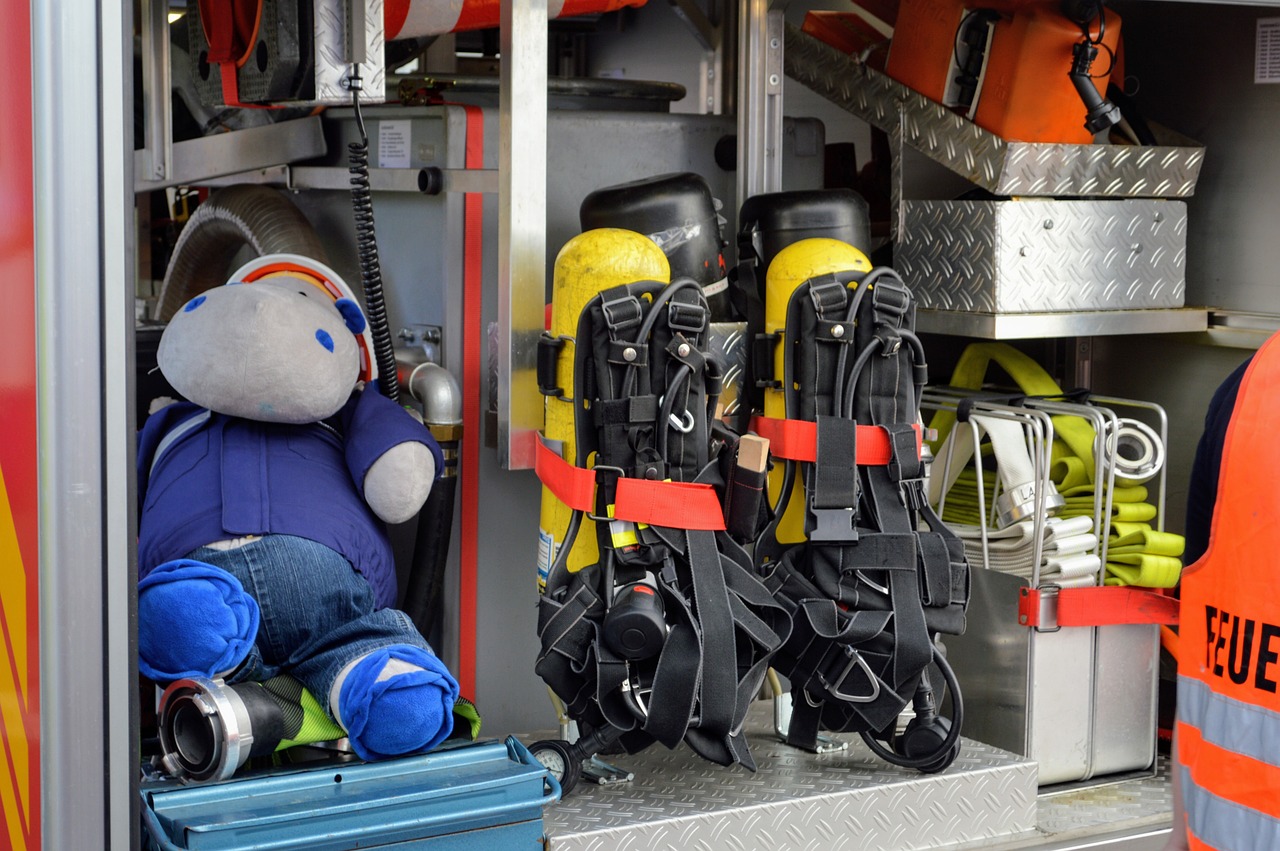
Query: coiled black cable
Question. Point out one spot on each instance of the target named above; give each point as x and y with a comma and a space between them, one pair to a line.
367, 248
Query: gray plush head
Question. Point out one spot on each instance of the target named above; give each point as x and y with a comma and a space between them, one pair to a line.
279, 350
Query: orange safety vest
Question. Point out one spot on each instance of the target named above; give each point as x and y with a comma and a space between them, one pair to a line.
1229, 661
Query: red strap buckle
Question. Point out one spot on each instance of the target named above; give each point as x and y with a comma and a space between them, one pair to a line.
677, 505
797, 440
1049, 608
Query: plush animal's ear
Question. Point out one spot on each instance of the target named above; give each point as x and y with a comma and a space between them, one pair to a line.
352, 314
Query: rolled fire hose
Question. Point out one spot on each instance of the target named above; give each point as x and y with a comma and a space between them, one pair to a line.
1017, 499
257, 217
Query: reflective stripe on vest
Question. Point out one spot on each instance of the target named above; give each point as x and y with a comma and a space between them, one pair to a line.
1229, 658
1232, 725
1219, 823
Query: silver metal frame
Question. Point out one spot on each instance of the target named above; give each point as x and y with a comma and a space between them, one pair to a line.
84, 313
522, 231
760, 31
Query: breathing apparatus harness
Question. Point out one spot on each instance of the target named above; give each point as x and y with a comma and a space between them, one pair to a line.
668, 636
867, 589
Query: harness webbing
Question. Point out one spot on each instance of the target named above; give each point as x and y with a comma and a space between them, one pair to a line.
879, 573
644, 390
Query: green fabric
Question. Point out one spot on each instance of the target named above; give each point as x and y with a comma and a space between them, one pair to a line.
316, 724
1146, 540
465, 711
1148, 571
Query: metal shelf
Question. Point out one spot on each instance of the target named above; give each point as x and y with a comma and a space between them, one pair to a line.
1097, 323
1000, 166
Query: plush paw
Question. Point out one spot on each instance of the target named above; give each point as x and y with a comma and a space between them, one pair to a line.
194, 619
397, 484
395, 701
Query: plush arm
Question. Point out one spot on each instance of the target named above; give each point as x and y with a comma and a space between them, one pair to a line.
153, 431
392, 457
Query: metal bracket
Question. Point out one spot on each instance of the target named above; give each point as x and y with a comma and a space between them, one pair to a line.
1038, 608
782, 721
604, 774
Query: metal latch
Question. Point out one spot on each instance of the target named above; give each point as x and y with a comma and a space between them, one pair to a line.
1038, 608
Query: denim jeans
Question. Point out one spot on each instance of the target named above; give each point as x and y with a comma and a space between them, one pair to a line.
318, 613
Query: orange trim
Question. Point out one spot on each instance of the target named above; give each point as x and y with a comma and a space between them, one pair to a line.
1229, 775
253, 36
284, 267
797, 440
1170, 641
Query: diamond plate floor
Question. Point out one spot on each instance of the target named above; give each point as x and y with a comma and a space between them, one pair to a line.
818, 802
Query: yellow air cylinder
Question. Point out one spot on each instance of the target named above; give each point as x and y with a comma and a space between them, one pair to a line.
588, 264
791, 267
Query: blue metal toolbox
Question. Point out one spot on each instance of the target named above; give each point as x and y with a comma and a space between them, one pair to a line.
475, 796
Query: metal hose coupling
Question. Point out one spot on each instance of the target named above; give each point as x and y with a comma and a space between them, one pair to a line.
209, 729
1134, 449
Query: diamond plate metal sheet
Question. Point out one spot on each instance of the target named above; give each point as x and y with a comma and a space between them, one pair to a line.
829, 802
1137, 802
1035, 256
1004, 168
330, 53
729, 347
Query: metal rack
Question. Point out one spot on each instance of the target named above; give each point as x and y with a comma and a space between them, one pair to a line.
1081, 701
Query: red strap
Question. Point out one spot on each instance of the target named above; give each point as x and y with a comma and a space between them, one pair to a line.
472, 378
678, 505
1096, 606
797, 440
231, 29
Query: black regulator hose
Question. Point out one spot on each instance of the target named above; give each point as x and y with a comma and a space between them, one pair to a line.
367, 248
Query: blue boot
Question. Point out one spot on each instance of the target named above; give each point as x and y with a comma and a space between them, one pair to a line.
194, 620
394, 701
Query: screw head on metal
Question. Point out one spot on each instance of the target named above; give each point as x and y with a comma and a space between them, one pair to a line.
773, 79
1048, 224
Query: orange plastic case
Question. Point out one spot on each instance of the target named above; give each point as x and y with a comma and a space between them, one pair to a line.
1026, 95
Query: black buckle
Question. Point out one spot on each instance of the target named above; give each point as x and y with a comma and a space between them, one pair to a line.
621, 313
833, 525
689, 318
913, 493
549, 349
828, 293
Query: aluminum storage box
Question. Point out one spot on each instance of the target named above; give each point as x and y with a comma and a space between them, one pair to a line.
475, 796
1080, 701
1040, 255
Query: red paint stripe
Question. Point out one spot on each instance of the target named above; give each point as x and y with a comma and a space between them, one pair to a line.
469, 472
18, 449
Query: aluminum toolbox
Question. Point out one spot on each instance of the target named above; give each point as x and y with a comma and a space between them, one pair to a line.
1080, 701
1085, 227
1040, 255
474, 796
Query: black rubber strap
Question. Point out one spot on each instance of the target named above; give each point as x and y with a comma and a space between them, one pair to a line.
835, 479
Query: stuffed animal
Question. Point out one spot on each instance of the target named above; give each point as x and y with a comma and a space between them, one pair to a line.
262, 546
